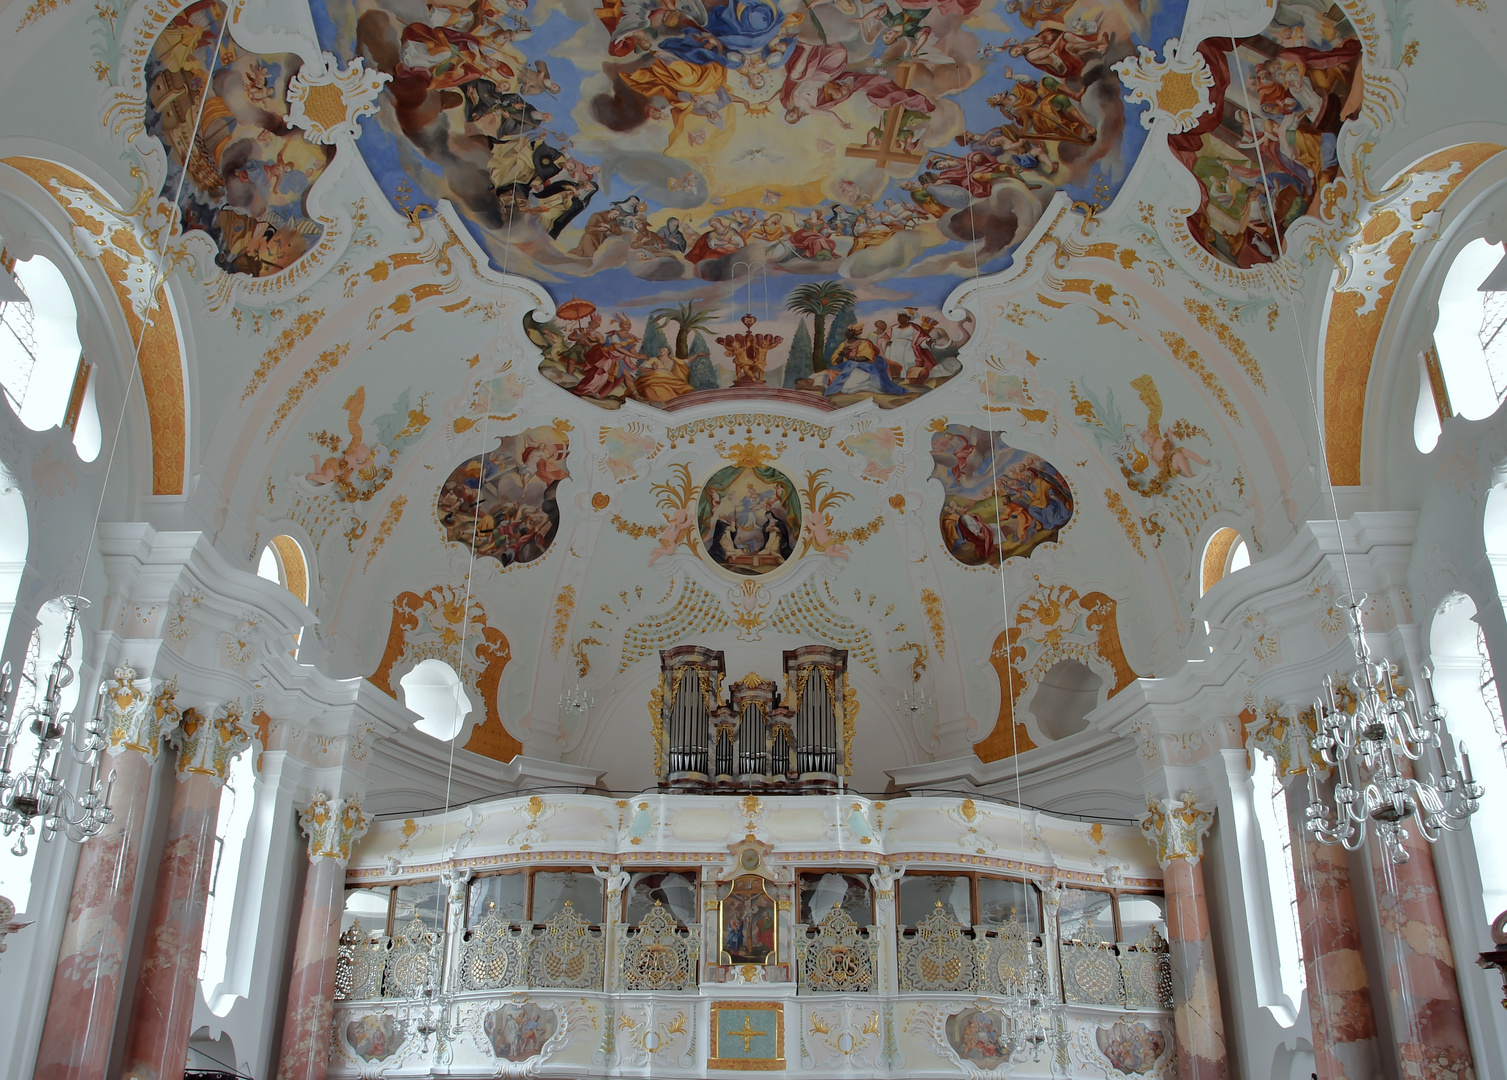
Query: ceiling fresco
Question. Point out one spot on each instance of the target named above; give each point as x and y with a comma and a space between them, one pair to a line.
820, 174
1284, 93
747, 217
250, 173
1000, 502
501, 505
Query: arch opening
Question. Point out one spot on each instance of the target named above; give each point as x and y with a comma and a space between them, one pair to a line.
1470, 338
1065, 696
1464, 683
42, 368
434, 691
1224, 554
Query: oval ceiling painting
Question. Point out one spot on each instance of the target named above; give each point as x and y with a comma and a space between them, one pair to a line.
749, 518
748, 196
998, 502
502, 505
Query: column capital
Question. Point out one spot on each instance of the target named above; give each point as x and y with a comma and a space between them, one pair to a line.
332, 826
208, 744
1176, 828
138, 717
1286, 740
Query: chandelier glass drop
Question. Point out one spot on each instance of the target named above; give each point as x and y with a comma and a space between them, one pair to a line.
35, 798
1372, 732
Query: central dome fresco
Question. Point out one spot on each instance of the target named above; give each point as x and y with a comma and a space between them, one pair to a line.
745, 194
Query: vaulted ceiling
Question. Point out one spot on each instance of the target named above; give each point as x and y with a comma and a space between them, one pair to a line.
558, 334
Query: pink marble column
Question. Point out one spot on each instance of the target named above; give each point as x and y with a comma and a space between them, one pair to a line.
331, 829
1422, 992
1339, 990
86, 985
163, 1010
1177, 829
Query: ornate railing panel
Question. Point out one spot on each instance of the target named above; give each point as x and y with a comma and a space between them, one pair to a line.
836, 956
360, 960
1013, 962
414, 962
1146, 968
657, 954
1091, 969
493, 955
939, 957
568, 954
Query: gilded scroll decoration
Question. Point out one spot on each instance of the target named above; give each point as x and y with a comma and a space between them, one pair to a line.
413, 962
1146, 968
1090, 969
1012, 964
360, 959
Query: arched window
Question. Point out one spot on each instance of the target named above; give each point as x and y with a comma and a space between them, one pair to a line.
46, 640
1225, 553
1465, 684
1470, 341
434, 691
283, 561
1276, 846
42, 368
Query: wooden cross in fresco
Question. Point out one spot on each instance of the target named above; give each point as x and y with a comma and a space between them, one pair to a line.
890, 148
747, 1034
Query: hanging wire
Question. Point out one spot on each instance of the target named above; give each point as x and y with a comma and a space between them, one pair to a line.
483, 430
155, 282
1004, 598
1313, 401
1328, 481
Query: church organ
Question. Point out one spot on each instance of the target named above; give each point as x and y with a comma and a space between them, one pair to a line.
757, 738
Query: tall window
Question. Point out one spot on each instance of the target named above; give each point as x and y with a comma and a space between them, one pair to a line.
1276, 843
42, 369
283, 562
236, 803
1224, 554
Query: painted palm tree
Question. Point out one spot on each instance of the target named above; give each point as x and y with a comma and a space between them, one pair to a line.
823, 300
689, 318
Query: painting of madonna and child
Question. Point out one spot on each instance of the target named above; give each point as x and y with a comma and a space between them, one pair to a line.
761, 193
998, 502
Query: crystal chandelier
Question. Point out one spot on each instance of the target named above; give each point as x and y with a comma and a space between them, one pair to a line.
37, 792
1368, 728
1031, 1011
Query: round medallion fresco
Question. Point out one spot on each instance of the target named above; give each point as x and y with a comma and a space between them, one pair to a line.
750, 519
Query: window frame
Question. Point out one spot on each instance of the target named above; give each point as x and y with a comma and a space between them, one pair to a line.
818, 871
975, 914
528, 890
693, 872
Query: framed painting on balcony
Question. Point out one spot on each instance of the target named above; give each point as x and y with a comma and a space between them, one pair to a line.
747, 927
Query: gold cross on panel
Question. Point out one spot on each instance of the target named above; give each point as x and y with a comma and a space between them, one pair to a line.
747, 1033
